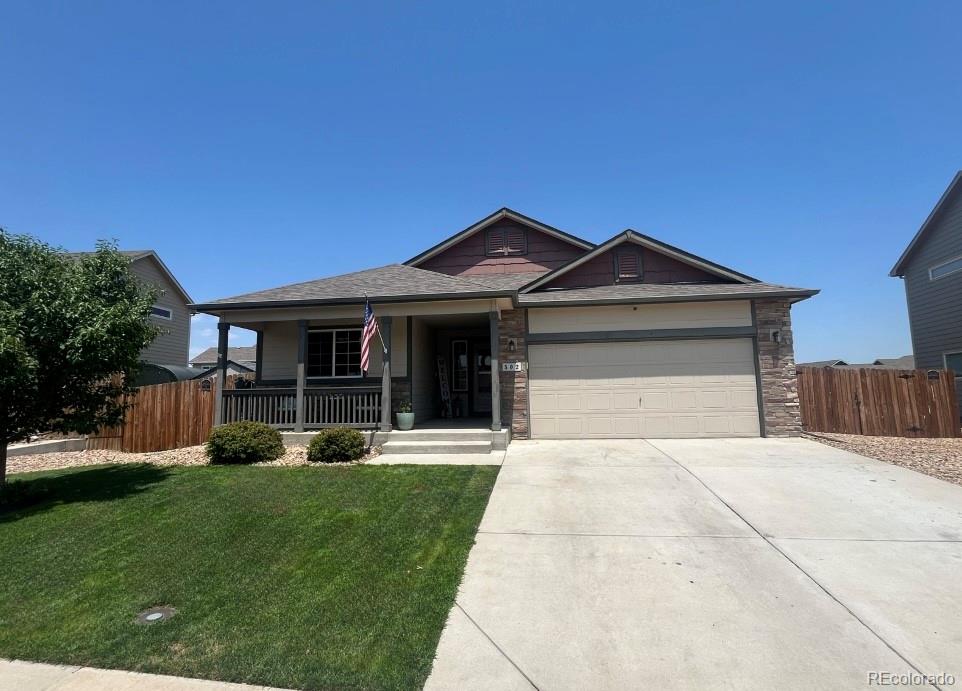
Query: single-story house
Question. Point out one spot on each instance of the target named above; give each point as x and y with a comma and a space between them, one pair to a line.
241, 356
233, 369
532, 329
903, 362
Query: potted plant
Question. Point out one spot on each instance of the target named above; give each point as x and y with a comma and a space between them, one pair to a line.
405, 417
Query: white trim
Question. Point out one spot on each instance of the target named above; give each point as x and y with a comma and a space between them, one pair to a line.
359, 329
168, 310
945, 263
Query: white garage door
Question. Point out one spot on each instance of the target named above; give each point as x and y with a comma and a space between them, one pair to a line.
643, 389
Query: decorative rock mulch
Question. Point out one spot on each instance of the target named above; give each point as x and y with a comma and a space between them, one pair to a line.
191, 455
941, 458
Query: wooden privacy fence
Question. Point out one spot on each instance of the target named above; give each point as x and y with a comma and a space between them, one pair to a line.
161, 417
882, 402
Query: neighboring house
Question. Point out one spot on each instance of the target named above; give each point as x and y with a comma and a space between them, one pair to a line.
931, 266
170, 312
212, 372
242, 356
904, 362
534, 330
823, 363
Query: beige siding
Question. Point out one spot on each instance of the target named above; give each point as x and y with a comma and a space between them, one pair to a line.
696, 388
680, 315
172, 345
280, 348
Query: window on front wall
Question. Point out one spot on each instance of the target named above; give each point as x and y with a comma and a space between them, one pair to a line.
628, 266
161, 312
502, 242
953, 361
941, 270
334, 353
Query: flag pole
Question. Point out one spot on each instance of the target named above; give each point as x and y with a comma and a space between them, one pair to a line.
383, 347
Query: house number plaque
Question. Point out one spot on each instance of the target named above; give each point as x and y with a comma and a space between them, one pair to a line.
514, 366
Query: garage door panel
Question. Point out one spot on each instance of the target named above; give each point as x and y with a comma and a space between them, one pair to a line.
643, 389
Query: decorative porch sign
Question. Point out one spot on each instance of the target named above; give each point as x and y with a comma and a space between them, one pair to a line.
514, 366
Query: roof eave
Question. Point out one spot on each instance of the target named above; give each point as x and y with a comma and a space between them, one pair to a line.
797, 295
898, 270
214, 307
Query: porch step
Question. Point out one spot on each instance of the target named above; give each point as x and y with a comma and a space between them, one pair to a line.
442, 435
429, 447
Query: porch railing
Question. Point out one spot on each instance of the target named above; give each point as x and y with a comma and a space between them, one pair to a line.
358, 407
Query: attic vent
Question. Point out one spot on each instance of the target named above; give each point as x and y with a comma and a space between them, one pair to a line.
628, 266
506, 241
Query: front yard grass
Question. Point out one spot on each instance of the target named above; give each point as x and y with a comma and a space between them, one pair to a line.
304, 577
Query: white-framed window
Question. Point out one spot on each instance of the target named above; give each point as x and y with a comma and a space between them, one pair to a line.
953, 361
945, 268
161, 312
334, 353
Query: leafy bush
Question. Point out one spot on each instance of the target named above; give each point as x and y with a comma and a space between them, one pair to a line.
336, 445
244, 442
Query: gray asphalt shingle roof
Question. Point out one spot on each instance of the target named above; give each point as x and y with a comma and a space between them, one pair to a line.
391, 281
660, 292
237, 354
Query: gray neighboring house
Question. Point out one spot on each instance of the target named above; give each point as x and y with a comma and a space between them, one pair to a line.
931, 267
170, 312
243, 356
904, 362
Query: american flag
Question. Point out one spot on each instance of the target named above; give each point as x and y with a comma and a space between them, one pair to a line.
370, 328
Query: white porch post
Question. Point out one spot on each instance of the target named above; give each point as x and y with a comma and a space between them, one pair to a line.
301, 374
385, 327
223, 329
495, 373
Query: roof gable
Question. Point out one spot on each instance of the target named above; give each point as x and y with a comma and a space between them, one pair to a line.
488, 221
152, 256
954, 187
636, 238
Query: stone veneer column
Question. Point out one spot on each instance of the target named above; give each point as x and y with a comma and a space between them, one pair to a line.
776, 365
514, 385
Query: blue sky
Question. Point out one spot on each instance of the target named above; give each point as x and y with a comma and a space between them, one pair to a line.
256, 144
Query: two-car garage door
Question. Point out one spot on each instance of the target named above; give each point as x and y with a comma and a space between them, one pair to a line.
685, 388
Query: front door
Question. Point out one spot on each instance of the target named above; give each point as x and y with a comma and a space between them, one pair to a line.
481, 378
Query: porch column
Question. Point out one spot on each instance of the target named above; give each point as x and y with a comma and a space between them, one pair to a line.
223, 328
301, 353
495, 373
385, 326
259, 357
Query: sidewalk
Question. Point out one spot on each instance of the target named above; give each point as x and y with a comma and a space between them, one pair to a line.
33, 676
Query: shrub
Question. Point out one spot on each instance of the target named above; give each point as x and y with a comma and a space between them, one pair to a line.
244, 442
336, 445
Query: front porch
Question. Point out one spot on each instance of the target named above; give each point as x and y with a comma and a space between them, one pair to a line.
308, 377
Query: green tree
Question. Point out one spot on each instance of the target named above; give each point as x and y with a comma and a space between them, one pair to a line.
71, 332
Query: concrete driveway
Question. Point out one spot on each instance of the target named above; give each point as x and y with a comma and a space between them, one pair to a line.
735, 564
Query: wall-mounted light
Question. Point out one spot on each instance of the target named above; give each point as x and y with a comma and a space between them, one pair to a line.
776, 336
512, 345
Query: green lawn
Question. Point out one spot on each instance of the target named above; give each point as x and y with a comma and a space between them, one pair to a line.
295, 577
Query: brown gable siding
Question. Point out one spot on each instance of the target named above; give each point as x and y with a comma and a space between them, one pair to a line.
469, 256
657, 268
